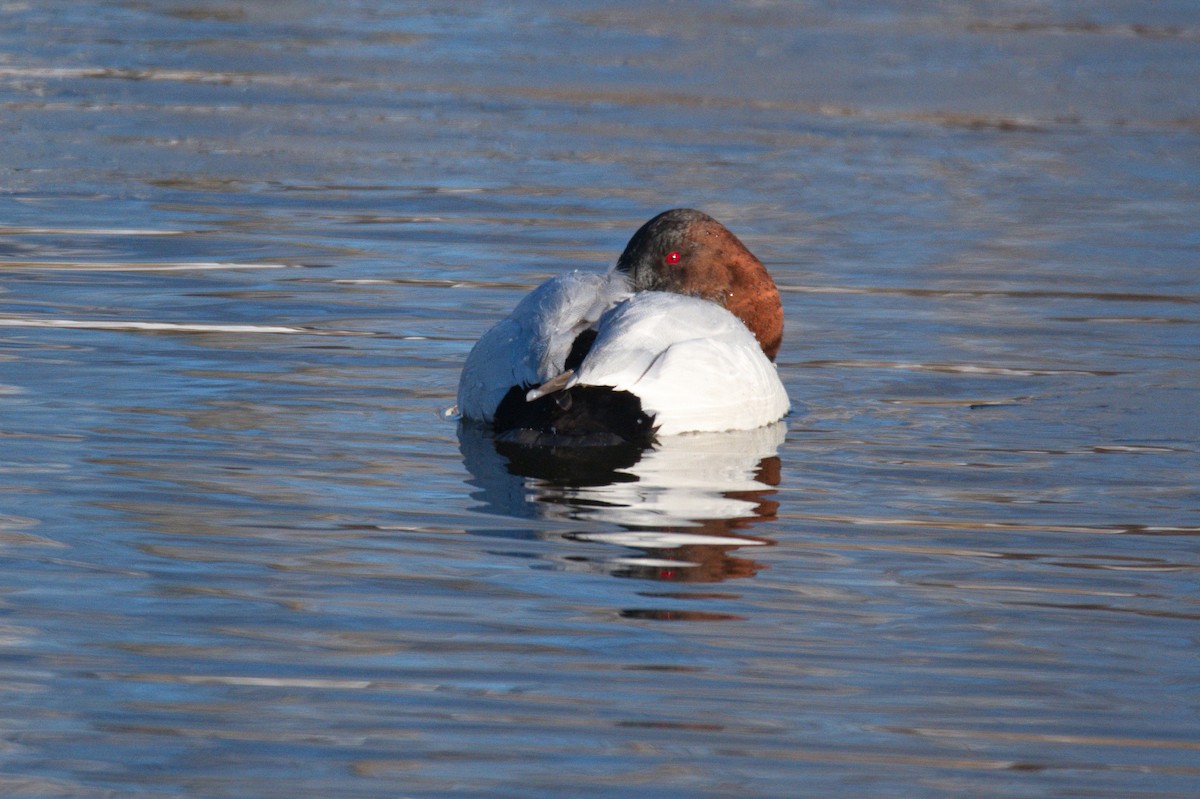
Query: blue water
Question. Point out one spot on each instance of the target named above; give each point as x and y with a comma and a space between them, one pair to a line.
247, 551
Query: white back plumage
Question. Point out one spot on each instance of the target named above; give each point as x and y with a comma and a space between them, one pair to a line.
531, 345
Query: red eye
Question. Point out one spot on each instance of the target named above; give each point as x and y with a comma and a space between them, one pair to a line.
672, 258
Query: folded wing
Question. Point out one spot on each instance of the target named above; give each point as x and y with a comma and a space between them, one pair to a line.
693, 364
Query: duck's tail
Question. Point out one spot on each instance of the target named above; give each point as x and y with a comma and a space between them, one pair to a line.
579, 416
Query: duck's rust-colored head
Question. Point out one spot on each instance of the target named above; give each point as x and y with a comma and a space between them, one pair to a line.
688, 252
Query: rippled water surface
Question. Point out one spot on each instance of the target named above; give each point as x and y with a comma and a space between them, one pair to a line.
245, 552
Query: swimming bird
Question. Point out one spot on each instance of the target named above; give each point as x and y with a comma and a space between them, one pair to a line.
679, 336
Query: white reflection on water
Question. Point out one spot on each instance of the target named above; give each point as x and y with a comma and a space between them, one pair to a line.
151, 327
686, 503
683, 481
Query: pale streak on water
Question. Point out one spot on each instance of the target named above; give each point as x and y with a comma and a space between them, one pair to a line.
244, 248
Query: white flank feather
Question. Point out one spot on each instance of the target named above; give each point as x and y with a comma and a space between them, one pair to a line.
694, 365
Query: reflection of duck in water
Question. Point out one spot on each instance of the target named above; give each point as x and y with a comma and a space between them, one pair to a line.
702, 483
684, 506
679, 337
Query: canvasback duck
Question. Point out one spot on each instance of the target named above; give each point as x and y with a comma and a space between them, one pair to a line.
680, 336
